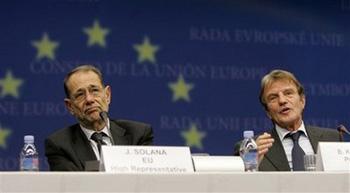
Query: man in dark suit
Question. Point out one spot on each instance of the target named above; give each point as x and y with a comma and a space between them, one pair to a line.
69, 149
276, 160
283, 98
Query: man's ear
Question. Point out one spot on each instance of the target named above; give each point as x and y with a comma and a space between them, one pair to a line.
268, 114
303, 100
108, 94
68, 104
267, 111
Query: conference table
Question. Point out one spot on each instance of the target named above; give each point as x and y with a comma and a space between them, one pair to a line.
98, 182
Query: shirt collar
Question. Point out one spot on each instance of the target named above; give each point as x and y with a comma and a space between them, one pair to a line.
89, 132
283, 132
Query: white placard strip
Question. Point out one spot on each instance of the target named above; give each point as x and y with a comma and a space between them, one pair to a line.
218, 164
146, 159
333, 156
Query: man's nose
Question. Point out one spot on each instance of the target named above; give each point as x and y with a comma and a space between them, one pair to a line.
282, 99
89, 97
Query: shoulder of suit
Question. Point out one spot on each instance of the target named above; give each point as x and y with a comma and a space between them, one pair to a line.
67, 131
127, 123
320, 129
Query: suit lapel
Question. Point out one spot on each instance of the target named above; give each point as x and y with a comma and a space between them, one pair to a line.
118, 134
82, 147
276, 154
314, 137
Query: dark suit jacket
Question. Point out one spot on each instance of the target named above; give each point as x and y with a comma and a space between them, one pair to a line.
68, 149
276, 160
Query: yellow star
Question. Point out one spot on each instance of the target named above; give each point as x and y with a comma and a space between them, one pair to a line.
4, 133
181, 89
193, 137
146, 51
10, 85
45, 47
97, 34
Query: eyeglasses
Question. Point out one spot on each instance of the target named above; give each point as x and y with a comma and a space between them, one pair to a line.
82, 94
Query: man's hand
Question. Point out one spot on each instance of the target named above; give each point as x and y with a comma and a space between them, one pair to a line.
264, 142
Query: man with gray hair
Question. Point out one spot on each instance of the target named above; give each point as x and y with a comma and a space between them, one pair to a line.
88, 99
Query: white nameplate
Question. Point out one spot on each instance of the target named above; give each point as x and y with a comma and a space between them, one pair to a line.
146, 159
333, 156
218, 164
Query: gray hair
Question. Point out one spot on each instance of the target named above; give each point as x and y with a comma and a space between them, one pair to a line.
84, 68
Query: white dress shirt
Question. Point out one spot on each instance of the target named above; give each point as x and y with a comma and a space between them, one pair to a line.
287, 142
107, 138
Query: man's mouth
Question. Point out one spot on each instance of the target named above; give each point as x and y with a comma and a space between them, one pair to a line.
91, 110
285, 110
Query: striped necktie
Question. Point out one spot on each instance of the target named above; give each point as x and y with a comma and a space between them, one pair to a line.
98, 138
297, 152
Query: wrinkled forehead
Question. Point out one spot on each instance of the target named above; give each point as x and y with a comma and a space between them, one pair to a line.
83, 80
277, 85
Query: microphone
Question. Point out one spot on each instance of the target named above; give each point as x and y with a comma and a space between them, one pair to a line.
104, 117
342, 129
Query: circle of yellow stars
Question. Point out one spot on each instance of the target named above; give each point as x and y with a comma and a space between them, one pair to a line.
4, 133
181, 89
193, 136
146, 53
45, 47
97, 35
10, 85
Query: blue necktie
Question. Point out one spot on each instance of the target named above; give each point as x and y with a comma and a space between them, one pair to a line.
297, 152
98, 138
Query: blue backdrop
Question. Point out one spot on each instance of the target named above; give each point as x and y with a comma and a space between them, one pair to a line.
191, 68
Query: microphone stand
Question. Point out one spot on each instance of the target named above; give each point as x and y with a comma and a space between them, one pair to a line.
104, 117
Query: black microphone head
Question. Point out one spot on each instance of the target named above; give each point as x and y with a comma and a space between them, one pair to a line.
342, 129
104, 115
